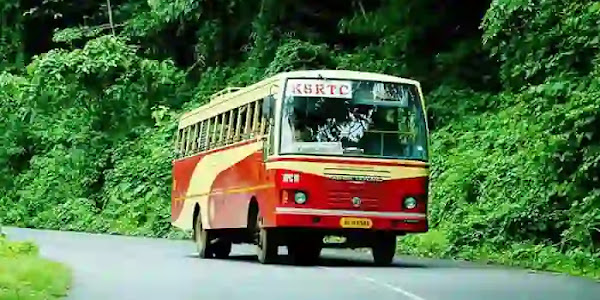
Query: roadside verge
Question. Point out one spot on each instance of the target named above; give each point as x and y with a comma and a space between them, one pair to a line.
534, 257
24, 275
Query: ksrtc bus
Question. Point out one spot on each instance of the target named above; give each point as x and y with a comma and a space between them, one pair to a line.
300, 156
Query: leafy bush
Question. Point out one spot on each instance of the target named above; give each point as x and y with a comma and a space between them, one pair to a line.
15, 249
23, 275
137, 188
77, 110
522, 175
537, 39
515, 174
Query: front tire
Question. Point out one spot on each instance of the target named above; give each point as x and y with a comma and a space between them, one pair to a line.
384, 249
267, 243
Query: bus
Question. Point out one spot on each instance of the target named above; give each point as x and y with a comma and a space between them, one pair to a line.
300, 157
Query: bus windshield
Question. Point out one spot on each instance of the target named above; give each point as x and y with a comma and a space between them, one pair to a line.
357, 118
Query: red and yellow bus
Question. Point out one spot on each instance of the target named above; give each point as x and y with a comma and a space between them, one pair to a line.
301, 156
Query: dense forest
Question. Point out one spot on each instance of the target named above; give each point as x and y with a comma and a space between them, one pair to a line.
90, 92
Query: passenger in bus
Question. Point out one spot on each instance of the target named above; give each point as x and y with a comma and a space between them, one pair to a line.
382, 138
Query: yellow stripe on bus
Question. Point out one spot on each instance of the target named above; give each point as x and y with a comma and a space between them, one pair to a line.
228, 191
320, 168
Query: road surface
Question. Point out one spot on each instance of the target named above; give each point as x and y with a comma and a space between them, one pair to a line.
115, 267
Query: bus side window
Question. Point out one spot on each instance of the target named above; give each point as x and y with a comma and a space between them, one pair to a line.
239, 130
268, 124
263, 120
256, 118
230, 126
213, 135
207, 134
236, 125
188, 132
222, 125
178, 143
201, 136
194, 138
248, 126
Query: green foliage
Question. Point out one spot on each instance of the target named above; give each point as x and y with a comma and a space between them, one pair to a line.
69, 35
299, 55
156, 15
515, 174
78, 110
23, 275
520, 179
535, 39
137, 187
11, 31
527, 255
16, 249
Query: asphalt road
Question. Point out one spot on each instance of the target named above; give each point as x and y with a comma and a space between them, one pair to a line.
115, 267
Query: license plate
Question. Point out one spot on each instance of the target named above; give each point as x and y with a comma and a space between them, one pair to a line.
356, 223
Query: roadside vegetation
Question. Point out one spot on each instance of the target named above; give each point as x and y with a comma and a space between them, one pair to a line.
26, 276
513, 89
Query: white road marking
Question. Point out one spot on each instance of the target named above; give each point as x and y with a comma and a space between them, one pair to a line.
394, 288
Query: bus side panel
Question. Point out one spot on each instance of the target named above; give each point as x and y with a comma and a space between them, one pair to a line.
233, 189
182, 174
238, 185
200, 184
270, 198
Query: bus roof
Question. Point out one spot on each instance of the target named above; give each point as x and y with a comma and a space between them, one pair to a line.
233, 97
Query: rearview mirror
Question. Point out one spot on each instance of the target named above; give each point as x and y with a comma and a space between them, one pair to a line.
268, 106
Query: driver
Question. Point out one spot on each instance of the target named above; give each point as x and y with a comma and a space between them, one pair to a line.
302, 132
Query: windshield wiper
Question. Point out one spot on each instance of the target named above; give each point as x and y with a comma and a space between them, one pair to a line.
354, 150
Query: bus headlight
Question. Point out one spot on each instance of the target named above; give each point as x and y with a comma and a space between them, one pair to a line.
300, 198
410, 203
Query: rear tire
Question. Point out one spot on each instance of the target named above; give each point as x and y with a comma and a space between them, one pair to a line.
384, 249
203, 239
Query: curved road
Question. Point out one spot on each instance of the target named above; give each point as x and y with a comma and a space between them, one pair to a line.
116, 267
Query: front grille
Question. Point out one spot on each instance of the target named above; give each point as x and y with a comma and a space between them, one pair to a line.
342, 199
347, 182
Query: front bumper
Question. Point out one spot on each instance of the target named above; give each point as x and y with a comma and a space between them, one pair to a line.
350, 219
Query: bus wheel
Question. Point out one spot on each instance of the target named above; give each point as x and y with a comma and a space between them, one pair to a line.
222, 249
266, 244
383, 249
202, 237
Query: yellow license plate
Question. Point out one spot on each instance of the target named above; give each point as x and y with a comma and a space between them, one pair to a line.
356, 223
